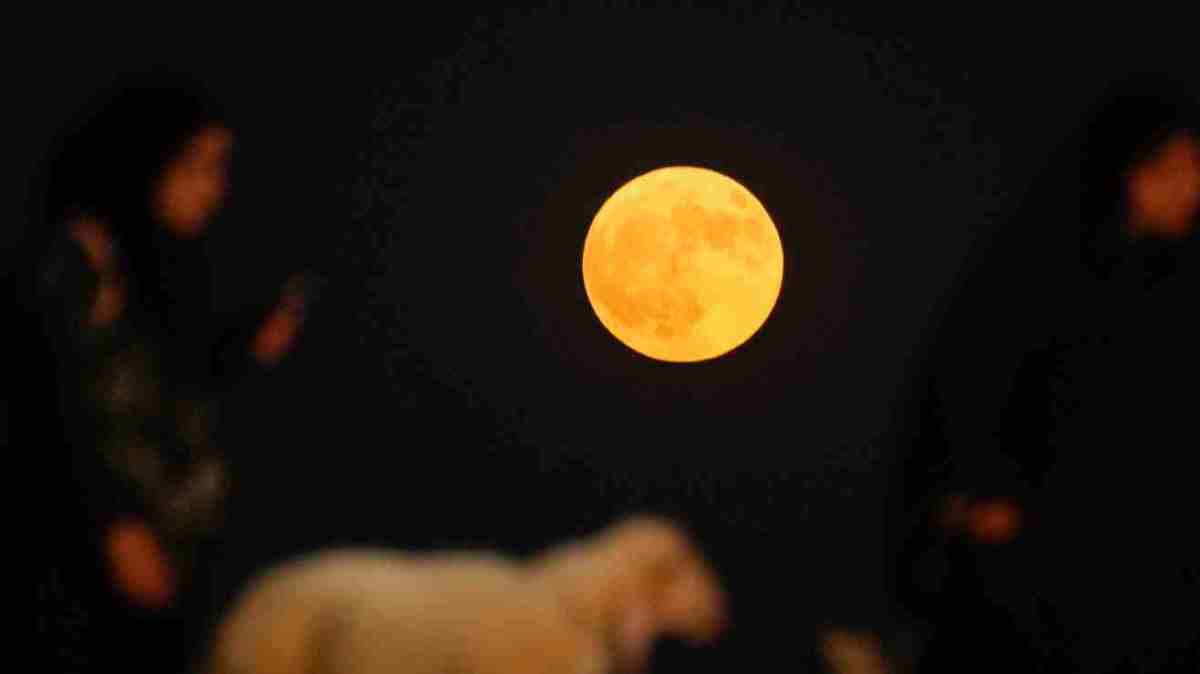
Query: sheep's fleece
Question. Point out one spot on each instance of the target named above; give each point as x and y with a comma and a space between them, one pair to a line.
376, 611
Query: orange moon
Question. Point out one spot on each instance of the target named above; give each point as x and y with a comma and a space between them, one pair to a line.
682, 264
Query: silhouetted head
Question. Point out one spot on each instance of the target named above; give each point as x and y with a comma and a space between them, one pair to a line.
149, 159
1140, 164
154, 149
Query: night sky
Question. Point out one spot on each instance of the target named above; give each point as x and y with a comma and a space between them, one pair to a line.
454, 387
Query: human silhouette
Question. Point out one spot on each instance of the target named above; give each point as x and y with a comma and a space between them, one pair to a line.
1030, 519
129, 365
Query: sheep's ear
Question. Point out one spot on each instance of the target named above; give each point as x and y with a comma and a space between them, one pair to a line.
636, 635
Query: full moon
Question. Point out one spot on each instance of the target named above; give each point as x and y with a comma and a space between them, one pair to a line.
682, 264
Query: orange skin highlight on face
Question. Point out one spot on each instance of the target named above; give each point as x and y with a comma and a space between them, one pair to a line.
193, 185
1164, 190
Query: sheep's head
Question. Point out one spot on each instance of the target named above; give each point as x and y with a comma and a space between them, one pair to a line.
636, 581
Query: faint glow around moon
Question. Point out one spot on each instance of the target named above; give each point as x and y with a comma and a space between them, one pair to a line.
682, 264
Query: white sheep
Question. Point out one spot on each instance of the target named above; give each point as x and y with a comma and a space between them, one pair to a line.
592, 606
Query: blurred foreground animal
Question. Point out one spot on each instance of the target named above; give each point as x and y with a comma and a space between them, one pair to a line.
592, 606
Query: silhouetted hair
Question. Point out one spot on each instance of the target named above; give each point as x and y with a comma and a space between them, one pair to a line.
106, 162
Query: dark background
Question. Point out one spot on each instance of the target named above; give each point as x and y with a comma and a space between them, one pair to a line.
454, 388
